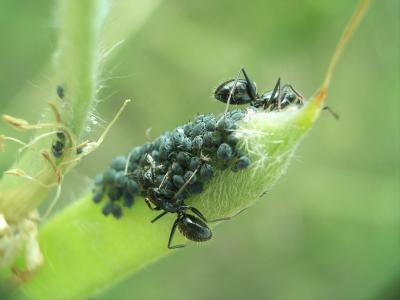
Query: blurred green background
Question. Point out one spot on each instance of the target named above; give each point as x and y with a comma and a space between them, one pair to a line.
330, 228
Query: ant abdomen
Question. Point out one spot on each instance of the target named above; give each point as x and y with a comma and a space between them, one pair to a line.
194, 229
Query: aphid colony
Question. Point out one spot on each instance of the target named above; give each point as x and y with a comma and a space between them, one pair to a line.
172, 168
179, 163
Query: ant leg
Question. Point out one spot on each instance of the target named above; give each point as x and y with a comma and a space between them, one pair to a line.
250, 86
276, 88
159, 217
230, 217
197, 212
149, 204
171, 236
335, 115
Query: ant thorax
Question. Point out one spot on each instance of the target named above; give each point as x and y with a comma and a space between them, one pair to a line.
281, 99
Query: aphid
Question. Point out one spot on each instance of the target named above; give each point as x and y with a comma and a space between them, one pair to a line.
58, 147
224, 152
60, 91
243, 91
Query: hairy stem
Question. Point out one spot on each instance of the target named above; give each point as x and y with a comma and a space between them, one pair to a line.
86, 252
76, 72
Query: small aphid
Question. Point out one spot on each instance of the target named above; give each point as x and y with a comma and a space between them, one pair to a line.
116, 211
194, 163
197, 143
107, 208
183, 158
176, 169
57, 149
60, 91
224, 152
243, 91
132, 187
206, 172
242, 163
114, 193
190, 177
128, 200
178, 180
98, 179
98, 196
119, 163
109, 176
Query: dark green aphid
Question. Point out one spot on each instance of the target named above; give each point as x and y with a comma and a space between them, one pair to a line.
119, 163
107, 208
128, 200
114, 193
98, 179
189, 176
242, 163
97, 196
183, 158
197, 143
208, 139
178, 180
178, 136
120, 179
58, 146
206, 172
198, 129
232, 140
116, 211
194, 163
60, 91
186, 145
109, 176
132, 187
224, 152
176, 169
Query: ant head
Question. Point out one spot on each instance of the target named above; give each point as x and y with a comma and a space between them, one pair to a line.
291, 95
193, 228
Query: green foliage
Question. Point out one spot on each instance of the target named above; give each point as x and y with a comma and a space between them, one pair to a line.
331, 227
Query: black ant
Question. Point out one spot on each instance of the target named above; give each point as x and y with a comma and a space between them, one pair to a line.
192, 226
243, 91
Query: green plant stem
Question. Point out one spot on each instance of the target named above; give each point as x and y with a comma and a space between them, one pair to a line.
76, 69
78, 58
86, 252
